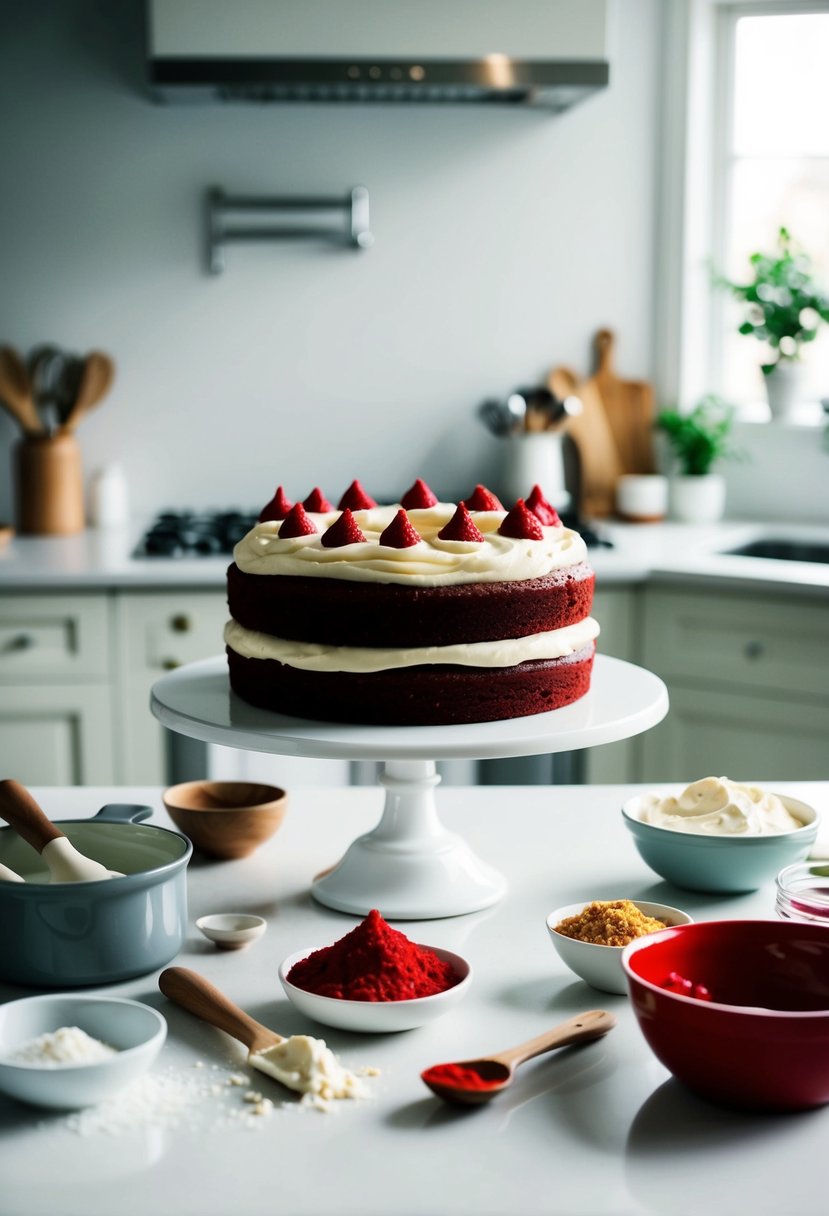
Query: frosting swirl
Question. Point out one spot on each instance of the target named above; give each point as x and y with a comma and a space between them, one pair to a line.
432, 562
716, 806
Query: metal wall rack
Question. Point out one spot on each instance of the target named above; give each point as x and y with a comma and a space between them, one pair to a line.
235, 218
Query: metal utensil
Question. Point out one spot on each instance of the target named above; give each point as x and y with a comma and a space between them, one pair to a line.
497, 1071
45, 365
66, 864
496, 417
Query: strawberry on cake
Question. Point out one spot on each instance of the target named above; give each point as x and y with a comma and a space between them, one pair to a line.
417, 613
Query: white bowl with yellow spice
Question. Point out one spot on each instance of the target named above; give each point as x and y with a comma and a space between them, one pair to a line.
589, 937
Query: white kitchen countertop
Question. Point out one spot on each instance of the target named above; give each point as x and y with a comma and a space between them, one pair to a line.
672, 552
601, 1129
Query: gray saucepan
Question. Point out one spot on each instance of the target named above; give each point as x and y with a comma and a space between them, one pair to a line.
73, 935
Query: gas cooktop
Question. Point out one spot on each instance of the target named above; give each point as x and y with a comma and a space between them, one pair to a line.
214, 533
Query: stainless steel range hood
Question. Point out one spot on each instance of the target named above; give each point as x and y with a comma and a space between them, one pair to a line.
544, 53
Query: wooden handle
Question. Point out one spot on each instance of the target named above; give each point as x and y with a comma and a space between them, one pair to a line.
19, 809
580, 1029
198, 996
605, 341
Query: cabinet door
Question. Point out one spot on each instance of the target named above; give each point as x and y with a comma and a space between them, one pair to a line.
743, 736
157, 632
56, 735
615, 610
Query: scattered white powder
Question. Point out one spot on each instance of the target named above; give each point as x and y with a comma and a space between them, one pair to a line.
66, 1046
195, 1100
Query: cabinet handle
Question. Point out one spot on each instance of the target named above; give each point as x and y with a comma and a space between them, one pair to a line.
21, 641
181, 623
170, 664
754, 650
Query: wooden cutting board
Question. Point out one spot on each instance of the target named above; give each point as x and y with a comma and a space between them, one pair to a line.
599, 464
628, 405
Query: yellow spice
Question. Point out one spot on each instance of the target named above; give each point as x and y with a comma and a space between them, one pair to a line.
609, 923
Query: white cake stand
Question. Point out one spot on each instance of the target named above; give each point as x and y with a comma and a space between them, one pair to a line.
409, 866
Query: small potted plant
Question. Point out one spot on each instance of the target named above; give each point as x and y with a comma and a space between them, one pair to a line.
784, 308
698, 439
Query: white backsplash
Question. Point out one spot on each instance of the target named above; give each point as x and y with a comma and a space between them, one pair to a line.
784, 473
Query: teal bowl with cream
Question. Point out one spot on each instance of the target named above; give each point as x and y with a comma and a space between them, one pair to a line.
724, 864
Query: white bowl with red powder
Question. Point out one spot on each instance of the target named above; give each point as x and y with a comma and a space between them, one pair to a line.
378, 1016
374, 979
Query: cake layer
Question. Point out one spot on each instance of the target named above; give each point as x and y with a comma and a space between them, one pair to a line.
413, 696
344, 613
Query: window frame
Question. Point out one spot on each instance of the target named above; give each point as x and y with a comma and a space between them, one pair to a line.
698, 40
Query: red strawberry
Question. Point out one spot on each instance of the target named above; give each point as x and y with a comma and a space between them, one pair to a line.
460, 527
277, 508
482, 499
418, 496
297, 523
317, 502
343, 531
544, 511
521, 524
399, 534
356, 499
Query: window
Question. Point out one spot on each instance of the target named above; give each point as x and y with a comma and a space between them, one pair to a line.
772, 171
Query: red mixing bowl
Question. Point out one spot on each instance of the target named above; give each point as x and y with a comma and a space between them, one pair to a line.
762, 1041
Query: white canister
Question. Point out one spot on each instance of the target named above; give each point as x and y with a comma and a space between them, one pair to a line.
108, 497
642, 497
535, 458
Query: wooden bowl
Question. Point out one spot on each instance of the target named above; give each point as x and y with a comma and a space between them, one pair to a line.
227, 819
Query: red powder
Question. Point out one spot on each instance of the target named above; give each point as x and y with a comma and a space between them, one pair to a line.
456, 1074
373, 963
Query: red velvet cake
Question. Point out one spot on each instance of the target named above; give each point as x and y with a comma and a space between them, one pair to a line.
420, 613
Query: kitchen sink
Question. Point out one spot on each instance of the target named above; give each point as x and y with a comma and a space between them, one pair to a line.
782, 550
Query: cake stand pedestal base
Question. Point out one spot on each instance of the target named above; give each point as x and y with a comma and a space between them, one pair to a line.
409, 866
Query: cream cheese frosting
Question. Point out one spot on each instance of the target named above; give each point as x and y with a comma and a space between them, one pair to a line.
430, 563
508, 652
716, 806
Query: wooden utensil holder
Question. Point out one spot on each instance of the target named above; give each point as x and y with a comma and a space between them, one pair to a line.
50, 499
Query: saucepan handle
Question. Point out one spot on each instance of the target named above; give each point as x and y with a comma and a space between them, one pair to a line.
122, 812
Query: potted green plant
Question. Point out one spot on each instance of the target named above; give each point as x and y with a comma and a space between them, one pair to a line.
698, 439
784, 308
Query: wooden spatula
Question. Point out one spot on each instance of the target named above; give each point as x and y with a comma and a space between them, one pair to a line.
16, 391
95, 382
65, 863
204, 1000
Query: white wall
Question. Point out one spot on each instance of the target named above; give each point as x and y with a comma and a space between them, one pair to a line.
504, 238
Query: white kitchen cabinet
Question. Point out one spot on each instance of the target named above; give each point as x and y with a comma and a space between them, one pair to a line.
615, 610
56, 702
157, 632
748, 679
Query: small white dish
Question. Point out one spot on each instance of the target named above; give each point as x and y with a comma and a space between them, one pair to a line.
377, 1017
135, 1030
601, 966
232, 930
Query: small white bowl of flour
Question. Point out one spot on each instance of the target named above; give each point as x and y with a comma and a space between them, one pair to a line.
70, 1051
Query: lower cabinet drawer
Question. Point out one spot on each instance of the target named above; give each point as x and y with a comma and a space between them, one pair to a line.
54, 637
738, 640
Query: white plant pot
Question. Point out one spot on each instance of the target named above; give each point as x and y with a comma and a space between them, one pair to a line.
697, 498
783, 389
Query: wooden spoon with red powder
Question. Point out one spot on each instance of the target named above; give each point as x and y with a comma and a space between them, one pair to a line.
470, 1082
